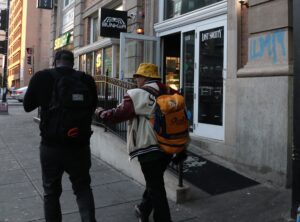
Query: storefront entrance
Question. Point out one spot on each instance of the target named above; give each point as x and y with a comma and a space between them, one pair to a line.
194, 62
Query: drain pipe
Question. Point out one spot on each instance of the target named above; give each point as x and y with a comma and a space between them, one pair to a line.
296, 113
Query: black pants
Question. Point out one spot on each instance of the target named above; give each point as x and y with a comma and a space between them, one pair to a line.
76, 162
154, 197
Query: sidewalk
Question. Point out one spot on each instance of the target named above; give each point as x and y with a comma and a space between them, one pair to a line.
115, 194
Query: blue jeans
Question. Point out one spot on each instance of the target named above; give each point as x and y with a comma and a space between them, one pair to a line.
76, 161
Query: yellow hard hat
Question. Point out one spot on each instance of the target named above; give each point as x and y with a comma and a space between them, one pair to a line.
148, 70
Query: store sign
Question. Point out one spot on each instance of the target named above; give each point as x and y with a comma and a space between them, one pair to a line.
215, 34
62, 41
112, 22
44, 4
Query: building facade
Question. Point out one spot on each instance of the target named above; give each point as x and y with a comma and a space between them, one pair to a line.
28, 41
231, 59
3, 6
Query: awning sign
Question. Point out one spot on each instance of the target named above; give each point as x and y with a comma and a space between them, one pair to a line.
62, 41
112, 22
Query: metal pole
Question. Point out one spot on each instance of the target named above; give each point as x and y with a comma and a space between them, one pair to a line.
296, 113
180, 174
5, 61
106, 96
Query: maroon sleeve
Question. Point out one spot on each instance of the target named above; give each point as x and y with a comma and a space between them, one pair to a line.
124, 111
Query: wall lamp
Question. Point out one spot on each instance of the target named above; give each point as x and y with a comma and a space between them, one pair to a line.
244, 2
140, 31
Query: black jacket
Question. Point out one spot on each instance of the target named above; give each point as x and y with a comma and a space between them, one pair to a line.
39, 93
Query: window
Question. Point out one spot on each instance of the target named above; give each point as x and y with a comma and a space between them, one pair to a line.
93, 29
82, 63
89, 63
175, 8
108, 61
98, 62
67, 3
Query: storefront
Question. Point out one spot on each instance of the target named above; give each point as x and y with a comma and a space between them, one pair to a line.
101, 58
194, 49
190, 49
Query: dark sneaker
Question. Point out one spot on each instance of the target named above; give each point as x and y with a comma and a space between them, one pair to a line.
140, 215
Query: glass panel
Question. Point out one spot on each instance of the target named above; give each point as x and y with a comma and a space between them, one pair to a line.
82, 63
136, 52
211, 76
98, 62
172, 60
173, 72
95, 29
188, 73
175, 8
117, 59
108, 61
89, 63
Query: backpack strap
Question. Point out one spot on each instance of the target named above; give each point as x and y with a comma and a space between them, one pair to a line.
152, 91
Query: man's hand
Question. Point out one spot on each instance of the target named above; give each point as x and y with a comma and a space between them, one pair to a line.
98, 112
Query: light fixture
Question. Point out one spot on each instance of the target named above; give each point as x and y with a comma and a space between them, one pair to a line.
244, 2
140, 31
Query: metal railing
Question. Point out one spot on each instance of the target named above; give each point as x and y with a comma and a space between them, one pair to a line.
110, 94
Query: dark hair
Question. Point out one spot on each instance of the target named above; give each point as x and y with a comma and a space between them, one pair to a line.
65, 56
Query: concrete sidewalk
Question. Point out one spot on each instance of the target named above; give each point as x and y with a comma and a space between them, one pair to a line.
115, 194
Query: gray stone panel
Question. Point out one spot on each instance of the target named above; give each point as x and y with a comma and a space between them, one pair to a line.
272, 15
262, 126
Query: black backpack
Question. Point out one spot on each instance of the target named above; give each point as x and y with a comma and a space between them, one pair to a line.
69, 115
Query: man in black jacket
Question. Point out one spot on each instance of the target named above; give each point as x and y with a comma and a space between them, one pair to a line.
56, 155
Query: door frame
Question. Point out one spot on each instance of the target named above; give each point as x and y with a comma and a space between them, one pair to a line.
202, 129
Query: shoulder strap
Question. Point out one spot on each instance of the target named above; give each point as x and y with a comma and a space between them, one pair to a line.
152, 91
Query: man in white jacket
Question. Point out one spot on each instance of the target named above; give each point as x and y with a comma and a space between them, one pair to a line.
137, 107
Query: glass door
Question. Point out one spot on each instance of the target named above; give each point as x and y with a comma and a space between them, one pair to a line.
210, 80
188, 70
136, 49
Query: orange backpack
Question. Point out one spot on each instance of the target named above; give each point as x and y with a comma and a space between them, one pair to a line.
170, 122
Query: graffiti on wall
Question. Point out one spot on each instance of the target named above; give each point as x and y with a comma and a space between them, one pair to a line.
269, 47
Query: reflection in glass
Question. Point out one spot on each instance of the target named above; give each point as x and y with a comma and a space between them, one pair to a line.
89, 63
211, 76
175, 8
136, 52
82, 63
108, 61
188, 74
98, 62
173, 72
117, 56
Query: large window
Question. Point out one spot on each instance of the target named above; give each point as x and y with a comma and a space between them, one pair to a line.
93, 29
175, 8
211, 76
